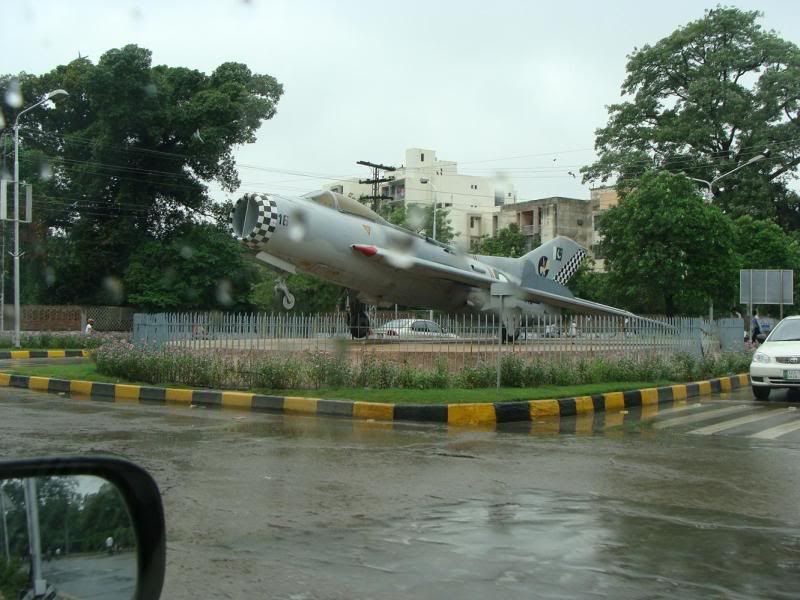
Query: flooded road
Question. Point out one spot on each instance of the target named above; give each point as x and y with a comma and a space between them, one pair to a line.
623, 505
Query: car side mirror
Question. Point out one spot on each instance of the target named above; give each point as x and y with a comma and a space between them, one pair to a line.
761, 337
80, 527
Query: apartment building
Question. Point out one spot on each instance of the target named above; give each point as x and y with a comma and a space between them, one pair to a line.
601, 199
543, 219
480, 206
473, 202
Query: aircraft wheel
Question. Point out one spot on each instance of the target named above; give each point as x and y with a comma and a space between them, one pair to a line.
359, 325
761, 392
510, 338
288, 301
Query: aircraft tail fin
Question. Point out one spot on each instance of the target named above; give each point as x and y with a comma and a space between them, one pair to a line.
557, 260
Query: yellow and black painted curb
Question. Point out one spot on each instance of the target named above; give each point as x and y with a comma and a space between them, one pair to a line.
7, 354
452, 414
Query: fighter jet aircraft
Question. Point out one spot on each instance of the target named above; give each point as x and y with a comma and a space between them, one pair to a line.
340, 240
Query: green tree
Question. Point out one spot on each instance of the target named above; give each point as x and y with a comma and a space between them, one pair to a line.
666, 250
509, 241
762, 244
129, 155
104, 514
705, 100
419, 219
198, 266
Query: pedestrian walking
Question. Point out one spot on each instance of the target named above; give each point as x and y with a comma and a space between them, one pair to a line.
756, 328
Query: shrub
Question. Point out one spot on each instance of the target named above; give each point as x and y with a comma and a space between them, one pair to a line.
317, 370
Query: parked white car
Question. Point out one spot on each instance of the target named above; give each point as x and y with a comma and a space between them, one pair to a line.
776, 363
414, 329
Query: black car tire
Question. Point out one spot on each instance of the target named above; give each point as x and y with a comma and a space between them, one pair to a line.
761, 392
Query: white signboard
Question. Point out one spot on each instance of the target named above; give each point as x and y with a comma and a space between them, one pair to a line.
766, 286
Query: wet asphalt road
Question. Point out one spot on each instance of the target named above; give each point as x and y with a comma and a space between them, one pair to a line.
686, 503
95, 576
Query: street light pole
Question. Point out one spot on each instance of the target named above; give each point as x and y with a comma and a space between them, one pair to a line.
433, 189
16, 254
711, 183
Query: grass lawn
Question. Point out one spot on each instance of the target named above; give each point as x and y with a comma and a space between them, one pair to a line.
88, 372
461, 395
85, 371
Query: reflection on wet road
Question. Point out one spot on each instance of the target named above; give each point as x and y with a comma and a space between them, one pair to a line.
626, 505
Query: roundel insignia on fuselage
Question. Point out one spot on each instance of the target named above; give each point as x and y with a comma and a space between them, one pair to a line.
543, 267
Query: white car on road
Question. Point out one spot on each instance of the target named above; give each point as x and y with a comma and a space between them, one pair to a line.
411, 329
776, 363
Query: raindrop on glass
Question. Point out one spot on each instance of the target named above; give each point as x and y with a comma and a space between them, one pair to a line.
415, 218
187, 252
14, 94
49, 276
45, 171
115, 290
297, 226
224, 292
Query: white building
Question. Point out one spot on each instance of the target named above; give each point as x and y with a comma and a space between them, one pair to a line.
473, 203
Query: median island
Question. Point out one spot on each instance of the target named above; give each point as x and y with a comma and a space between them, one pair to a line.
319, 375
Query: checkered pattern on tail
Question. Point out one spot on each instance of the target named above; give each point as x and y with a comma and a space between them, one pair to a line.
266, 221
570, 267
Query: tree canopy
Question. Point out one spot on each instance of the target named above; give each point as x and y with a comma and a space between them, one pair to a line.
509, 241
667, 250
705, 100
127, 157
419, 219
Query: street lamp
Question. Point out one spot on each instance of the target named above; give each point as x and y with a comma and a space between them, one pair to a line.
433, 188
16, 254
711, 183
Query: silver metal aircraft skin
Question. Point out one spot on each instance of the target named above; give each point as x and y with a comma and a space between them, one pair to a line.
339, 240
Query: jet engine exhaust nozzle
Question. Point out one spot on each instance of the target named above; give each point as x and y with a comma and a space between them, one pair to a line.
253, 220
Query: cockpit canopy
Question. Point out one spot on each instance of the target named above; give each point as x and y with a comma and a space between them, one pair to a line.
344, 204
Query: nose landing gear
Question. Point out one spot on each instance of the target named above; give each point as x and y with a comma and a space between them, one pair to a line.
288, 297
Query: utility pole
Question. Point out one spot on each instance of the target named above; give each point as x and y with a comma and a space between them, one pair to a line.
375, 181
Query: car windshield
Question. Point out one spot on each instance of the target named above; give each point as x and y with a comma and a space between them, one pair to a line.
438, 299
786, 330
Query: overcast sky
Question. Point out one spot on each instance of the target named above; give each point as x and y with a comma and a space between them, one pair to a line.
499, 86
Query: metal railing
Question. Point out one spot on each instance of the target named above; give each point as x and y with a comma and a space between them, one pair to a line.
458, 340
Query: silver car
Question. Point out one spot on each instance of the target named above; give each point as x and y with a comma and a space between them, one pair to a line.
776, 363
411, 329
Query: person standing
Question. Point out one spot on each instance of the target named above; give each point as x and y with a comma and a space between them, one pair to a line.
110, 545
756, 327
89, 327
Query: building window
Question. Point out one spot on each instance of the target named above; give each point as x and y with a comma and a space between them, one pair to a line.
448, 204
422, 157
474, 222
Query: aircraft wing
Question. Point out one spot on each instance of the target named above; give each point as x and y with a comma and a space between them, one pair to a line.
479, 280
425, 267
574, 304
